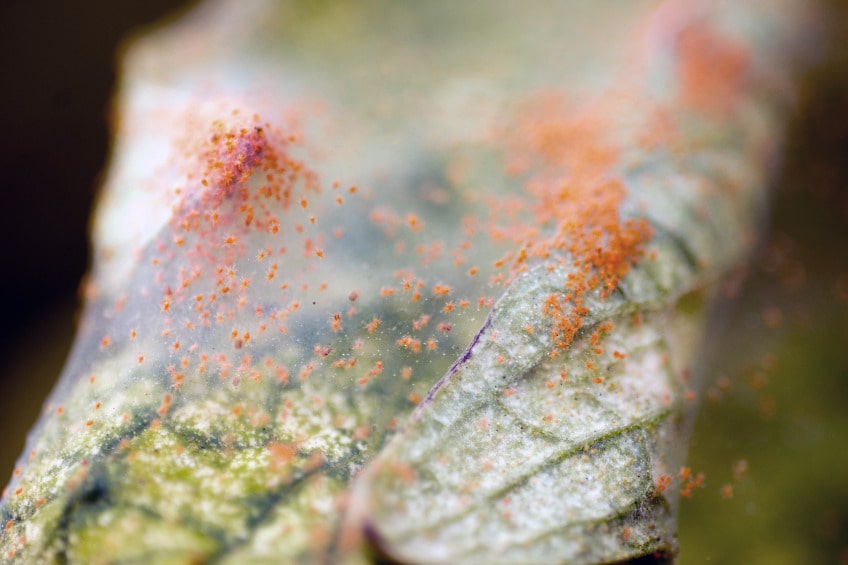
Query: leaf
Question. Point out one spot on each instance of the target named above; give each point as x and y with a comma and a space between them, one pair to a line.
282, 272
524, 452
510, 461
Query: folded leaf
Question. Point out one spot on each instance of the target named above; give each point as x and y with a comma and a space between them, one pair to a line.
319, 216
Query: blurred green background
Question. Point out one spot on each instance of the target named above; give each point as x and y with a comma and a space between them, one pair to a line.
777, 382
773, 423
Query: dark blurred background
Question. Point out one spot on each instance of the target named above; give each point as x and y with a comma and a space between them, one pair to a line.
58, 66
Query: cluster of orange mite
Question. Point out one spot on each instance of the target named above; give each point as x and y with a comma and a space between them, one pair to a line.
574, 200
